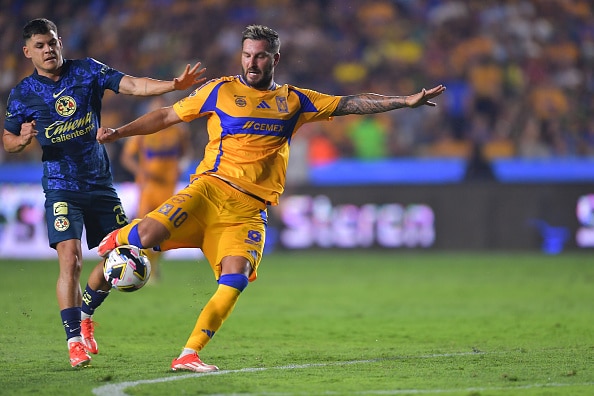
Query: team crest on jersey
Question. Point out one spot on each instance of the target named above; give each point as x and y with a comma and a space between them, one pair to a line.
281, 104
65, 106
240, 101
61, 223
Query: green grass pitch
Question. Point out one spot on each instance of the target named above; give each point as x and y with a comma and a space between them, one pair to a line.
322, 323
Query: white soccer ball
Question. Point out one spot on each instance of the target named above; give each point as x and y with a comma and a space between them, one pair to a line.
127, 268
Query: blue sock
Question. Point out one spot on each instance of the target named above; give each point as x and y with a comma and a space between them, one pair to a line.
238, 281
71, 321
92, 299
134, 238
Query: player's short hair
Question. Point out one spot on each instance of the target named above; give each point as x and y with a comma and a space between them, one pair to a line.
38, 26
260, 32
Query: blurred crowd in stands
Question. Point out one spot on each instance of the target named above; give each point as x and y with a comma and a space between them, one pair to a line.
519, 73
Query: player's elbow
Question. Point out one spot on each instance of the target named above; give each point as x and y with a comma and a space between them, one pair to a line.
169, 116
132, 86
11, 143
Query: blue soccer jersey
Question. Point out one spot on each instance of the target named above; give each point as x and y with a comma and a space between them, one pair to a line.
67, 113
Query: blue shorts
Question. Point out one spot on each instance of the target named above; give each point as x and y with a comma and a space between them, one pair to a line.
66, 212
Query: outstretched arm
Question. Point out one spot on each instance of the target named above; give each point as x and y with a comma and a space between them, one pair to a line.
144, 86
145, 125
369, 103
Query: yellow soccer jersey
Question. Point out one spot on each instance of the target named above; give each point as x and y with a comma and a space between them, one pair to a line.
250, 130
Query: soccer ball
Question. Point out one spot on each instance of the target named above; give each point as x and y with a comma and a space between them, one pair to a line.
127, 268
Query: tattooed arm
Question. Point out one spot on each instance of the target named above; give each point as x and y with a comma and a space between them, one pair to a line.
369, 103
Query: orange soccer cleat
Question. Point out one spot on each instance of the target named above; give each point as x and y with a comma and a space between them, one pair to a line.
108, 243
193, 363
78, 355
87, 331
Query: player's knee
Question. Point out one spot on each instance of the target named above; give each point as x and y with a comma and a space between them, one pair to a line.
69, 256
237, 281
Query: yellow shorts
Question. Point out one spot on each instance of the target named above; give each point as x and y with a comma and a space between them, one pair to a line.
213, 216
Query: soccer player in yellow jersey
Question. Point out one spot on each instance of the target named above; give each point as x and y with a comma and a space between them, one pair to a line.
156, 162
250, 120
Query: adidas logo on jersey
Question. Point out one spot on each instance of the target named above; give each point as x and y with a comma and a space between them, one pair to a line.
263, 105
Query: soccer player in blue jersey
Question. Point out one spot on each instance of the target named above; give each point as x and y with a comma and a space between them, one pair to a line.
223, 211
60, 106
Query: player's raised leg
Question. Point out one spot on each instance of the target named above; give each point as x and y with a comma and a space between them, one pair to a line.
95, 293
127, 235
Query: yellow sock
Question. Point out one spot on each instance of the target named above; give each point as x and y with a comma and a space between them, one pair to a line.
218, 308
122, 235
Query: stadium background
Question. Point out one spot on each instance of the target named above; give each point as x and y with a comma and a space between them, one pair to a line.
505, 162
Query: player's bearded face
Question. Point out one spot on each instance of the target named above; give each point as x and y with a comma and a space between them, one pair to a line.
257, 64
259, 78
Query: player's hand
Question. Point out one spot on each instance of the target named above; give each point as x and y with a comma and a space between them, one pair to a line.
189, 77
107, 135
423, 98
28, 133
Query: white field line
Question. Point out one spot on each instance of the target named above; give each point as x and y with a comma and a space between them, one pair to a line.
118, 389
